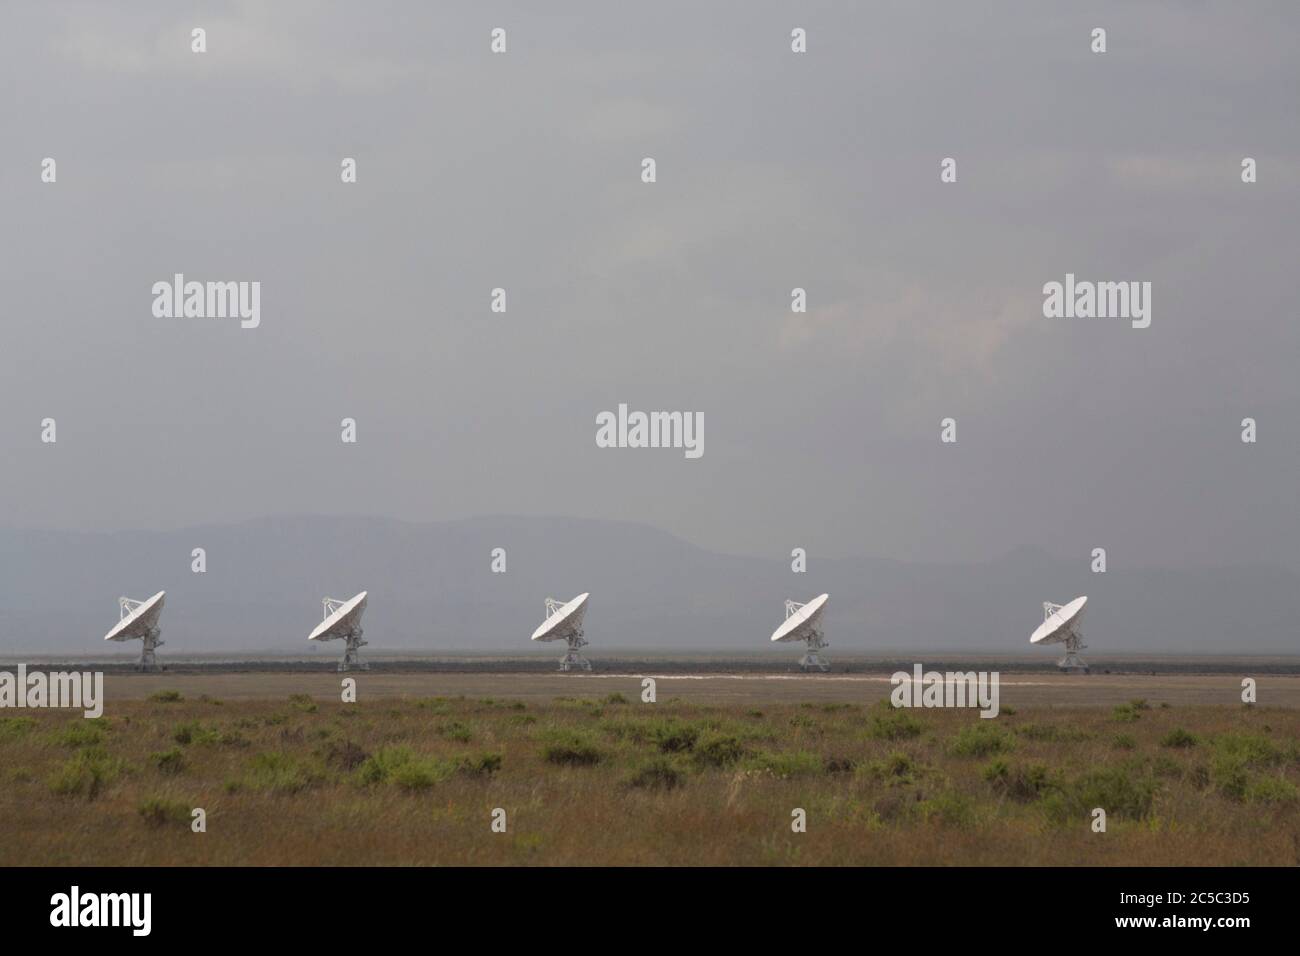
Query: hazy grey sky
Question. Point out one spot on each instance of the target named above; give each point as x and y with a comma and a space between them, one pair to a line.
775, 170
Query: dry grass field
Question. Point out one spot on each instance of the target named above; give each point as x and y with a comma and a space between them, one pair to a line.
606, 779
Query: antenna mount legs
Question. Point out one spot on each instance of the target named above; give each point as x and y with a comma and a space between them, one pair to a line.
148, 662
1072, 663
352, 653
573, 660
815, 642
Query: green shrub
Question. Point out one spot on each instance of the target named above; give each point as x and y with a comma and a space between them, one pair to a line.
193, 732
896, 768
421, 773
156, 811
996, 771
950, 808
673, 737
1125, 713
1272, 790
276, 772
893, 723
719, 750
571, 749
623, 728
11, 728
1120, 791
1163, 765
981, 740
81, 733
1124, 742
1178, 738
86, 774
166, 697
169, 761
1236, 761
303, 702
1230, 775
1022, 783
657, 773
380, 766
615, 698
1253, 750
480, 765
456, 730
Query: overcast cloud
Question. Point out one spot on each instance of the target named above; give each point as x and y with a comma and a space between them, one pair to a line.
775, 170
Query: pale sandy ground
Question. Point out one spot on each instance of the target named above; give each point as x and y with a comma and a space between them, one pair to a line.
1033, 689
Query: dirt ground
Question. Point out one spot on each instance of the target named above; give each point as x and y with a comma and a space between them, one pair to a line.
1016, 690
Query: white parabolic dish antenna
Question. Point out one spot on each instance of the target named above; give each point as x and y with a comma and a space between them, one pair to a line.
1061, 625
803, 622
564, 623
343, 622
139, 621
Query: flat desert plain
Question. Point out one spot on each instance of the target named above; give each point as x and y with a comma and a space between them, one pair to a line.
1038, 689
551, 769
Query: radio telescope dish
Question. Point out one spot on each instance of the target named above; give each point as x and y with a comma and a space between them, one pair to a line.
1061, 626
139, 621
564, 623
803, 622
343, 623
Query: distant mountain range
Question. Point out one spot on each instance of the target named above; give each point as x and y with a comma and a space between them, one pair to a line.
431, 587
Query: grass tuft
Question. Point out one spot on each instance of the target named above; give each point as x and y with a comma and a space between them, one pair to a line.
280, 773
893, 723
657, 773
572, 749
1178, 738
169, 761
86, 774
157, 811
12, 728
981, 740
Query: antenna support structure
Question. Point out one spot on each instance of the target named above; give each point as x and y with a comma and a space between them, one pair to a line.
1071, 663
353, 641
814, 642
149, 640
572, 660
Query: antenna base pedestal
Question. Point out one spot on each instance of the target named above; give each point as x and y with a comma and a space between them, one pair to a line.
812, 662
572, 660
1072, 663
352, 654
811, 659
148, 662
